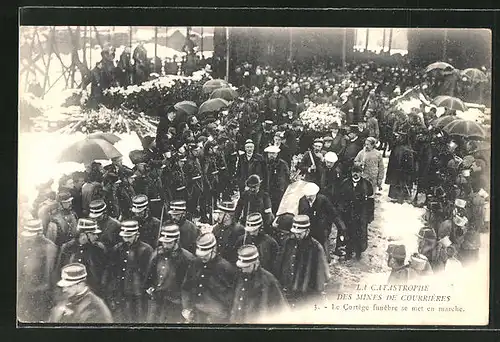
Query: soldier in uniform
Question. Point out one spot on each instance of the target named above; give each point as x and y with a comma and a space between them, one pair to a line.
250, 164
63, 220
257, 291
174, 178
278, 176
36, 261
195, 185
81, 304
189, 231
255, 200
166, 272
207, 290
85, 249
125, 275
109, 226
254, 235
214, 168
149, 226
301, 267
227, 230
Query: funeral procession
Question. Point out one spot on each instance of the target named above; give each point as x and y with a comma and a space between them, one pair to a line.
222, 175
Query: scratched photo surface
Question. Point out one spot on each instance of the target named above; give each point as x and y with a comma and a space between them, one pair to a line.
236, 175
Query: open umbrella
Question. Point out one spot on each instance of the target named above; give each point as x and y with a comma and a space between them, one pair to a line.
227, 94
109, 137
212, 105
450, 102
211, 85
443, 121
474, 75
88, 150
465, 128
438, 65
188, 107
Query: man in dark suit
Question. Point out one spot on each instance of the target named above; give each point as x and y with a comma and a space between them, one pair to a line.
322, 215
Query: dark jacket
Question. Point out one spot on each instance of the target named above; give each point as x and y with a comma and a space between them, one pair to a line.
226, 239
62, 227
126, 269
86, 308
166, 272
150, 230
267, 246
256, 295
321, 215
110, 232
93, 256
278, 177
189, 234
254, 203
209, 287
301, 266
246, 168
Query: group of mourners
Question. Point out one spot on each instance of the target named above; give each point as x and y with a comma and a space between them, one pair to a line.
194, 233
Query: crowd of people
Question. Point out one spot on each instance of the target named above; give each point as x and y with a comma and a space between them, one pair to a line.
193, 232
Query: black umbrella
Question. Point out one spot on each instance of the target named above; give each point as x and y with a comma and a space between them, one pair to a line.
88, 150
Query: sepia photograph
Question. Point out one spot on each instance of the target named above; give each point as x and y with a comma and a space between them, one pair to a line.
190, 175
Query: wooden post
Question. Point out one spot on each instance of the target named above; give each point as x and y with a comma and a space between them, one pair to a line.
201, 42
290, 47
156, 46
445, 42
390, 41
130, 37
166, 36
46, 76
383, 41
344, 49
227, 55
367, 38
85, 46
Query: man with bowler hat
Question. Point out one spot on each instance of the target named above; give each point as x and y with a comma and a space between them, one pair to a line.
255, 200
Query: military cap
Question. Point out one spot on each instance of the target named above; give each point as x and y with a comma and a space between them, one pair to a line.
460, 203
139, 203
300, 223
72, 274
97, 208
427, 233
353, 128
177, 207
328, 138
32, 227
249, 141
268, 122
129, 228
254, 222
253, 180
397, 251
87, 226
64, 196
247, 255
205, 243
227, 206
318, 140
272, 149
170, 232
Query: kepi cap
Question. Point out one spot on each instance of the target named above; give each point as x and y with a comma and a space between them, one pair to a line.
72, 274
247, 255
129, 228
139, 203
205, 243
97, 208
